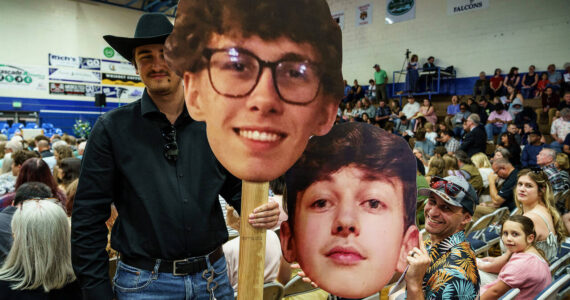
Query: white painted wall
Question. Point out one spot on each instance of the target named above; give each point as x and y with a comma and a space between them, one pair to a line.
509, 33
30, 29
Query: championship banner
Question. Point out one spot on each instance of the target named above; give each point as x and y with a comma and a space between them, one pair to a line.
23, 77
118, 67
74, 62
364, 14
400, 10
57, 88
120, 79
339, 18
455, 7
59, 74
123, 92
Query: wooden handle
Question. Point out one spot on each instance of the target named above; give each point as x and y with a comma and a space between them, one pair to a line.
252, 243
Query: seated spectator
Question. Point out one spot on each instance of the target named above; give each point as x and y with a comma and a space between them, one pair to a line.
404, 127
554, 78
515, 131
452, 109
39, 264
383, 113
81, 149
472, 105
481, 86
525, 268
459, 118
12, 147
474, 140
566, 145
8, 180
522, 114
550, 102
541, 85
422, 143
34, 169
529, 83
512, 79
526, 130
531, 151
428, 111
29, 190
371, 93
469, 171
451, 167
395, 107
368, 108
503, 197
566, 79
497, 122
436, 167
68, 171
496, 84
411, 109
501, 152
485, 109
430, 134
349, 111
422, 158
358, 110
564, 103
348, 93
560, 129
481, 161
357, 91
546, 159
507, 140
427, 79
510, 96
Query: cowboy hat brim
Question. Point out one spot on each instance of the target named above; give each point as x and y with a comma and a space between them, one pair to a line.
126, 46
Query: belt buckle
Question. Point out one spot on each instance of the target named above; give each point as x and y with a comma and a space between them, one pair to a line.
174, 272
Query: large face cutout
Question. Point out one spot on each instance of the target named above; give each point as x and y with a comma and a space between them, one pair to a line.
349, 231
258, 136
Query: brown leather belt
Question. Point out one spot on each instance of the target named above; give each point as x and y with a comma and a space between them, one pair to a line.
186, 266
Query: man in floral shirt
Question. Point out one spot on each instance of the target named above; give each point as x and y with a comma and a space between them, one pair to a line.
444, 266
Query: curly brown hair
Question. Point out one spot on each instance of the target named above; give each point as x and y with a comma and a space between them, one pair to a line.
302, 21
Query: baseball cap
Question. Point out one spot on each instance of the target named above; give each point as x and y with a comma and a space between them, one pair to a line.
454, 190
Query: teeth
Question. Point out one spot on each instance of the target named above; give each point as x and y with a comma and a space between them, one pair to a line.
259, 136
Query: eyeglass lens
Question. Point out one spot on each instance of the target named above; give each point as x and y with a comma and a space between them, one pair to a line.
235, 73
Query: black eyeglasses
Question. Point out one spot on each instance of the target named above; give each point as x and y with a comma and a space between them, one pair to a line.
170, 149
235, 72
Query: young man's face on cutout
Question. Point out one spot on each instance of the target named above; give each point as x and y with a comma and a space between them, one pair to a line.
349, 233
258, 137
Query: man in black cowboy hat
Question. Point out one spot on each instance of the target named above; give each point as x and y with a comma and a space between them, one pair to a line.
153, 162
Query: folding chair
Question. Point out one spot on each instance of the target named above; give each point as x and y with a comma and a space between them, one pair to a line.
559, 262
297, 286
272, 291
511, 294
552, 291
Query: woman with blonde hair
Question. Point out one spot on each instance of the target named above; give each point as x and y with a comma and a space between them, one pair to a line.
39, 264
451, 166
436, 166
481, 161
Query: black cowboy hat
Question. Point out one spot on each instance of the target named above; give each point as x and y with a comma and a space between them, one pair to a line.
152, 28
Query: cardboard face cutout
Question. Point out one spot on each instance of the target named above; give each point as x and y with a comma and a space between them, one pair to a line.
265, 76
351, 200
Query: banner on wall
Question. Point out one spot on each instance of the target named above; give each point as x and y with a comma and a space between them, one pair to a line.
123, 92
23, 77
400, 10
460, 6
77, 62
86, 76
339, 18
121, 79
364, 15
57, 88
118, 67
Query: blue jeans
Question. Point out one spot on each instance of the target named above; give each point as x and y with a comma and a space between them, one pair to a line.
132, 283
491, 130
528, 93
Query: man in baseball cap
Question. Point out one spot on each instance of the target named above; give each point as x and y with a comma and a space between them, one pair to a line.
446, 253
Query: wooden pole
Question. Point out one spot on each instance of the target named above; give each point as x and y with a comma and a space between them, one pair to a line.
252, 243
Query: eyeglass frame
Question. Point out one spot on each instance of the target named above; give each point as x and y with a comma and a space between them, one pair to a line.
209, 52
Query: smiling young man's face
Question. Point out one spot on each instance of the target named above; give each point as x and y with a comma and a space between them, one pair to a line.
257, 137
348, 234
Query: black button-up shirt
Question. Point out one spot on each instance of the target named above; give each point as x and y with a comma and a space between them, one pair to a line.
168, 210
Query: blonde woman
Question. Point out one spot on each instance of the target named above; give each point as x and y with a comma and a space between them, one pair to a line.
39, 264
481, 161
451, 167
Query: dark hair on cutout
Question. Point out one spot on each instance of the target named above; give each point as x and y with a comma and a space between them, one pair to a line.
528, 229
379, 154
32, 190
302, 21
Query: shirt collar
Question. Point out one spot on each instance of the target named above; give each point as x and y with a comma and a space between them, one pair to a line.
148, 107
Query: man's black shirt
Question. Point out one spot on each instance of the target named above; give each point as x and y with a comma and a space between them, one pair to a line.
167, 210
